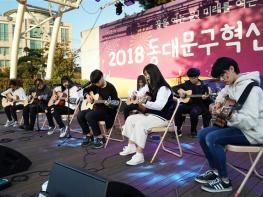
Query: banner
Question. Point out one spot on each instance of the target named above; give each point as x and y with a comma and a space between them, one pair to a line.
178, 36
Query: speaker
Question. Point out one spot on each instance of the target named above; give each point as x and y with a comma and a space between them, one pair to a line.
12, 162
66, 181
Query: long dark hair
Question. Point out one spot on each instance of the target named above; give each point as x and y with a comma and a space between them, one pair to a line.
140, 78
156, 79
70, 82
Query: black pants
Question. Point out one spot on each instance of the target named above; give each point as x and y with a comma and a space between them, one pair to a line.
57, 111
194, 111
128, 108
89, 118
11, 111
30, 113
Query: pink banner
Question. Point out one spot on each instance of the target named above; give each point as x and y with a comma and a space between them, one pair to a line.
175, 41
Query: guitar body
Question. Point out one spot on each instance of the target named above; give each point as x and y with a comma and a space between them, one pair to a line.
52, 100
224, 113
187, 97
32, 99
6, 102
96, 99
10, 100
86, 105
137, 100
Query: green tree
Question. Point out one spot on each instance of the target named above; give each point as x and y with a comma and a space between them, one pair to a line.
64, 61
147, 4
32, 65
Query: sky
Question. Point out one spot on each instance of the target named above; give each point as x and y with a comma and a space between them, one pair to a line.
82, 18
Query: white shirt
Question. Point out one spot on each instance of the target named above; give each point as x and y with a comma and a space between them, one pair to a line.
162, 97
73, 96
19, 92
140, 93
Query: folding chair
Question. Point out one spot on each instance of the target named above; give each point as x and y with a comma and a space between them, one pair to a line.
65, 117
249, 150
21, 119
163, 130
103, 125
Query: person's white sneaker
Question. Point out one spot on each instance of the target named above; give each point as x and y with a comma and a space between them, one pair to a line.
63, 132
136, 159
127, 150
15, 124
51, 130
9, 123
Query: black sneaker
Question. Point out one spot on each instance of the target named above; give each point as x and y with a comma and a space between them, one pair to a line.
22, 126
194, 134
179, 133
99, 143
87, 141
209, 175
217, 185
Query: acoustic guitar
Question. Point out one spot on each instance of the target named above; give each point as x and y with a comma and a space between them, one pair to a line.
137, 100
10, 100
189, 94
34, 99
96, 99
58, 98
223, 113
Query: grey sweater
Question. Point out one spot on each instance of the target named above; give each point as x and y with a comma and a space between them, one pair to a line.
250, 118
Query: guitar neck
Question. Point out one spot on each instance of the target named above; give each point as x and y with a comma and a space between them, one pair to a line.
100, 101
195, 96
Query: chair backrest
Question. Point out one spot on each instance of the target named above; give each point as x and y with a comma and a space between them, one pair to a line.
118, 110
177, 100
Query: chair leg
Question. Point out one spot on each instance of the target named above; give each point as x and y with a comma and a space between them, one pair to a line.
249, 172
255, 170
44, 124
110, 138
180, 154
21, 120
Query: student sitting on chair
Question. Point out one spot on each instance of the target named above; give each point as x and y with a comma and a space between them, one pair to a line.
198, 105
242, 127
64, 104
97, 95
13, 100
37, 103
135, 93
155, 114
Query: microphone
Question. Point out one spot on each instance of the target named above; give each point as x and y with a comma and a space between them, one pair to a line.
84, 86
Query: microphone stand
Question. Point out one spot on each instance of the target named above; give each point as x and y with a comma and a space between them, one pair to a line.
69, 136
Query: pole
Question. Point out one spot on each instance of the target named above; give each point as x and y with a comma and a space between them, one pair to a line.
16, 39
53, 42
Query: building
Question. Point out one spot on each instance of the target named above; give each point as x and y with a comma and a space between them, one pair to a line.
34, 39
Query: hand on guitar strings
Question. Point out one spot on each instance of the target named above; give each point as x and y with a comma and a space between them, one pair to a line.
89, 98
182, 93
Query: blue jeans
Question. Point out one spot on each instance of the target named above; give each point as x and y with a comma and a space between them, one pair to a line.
213, 140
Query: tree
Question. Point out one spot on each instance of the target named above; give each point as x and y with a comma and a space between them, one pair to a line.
147, 4
64, 61
32, 65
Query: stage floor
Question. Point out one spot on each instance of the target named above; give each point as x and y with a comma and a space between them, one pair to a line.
167, 176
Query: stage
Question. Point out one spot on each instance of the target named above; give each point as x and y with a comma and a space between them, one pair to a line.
167, 176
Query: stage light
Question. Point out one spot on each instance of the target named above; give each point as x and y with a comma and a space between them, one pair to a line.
129, 2
118, 6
